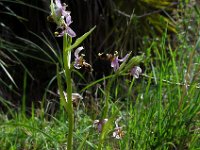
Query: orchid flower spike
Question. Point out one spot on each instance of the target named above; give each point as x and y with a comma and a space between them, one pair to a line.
62, 18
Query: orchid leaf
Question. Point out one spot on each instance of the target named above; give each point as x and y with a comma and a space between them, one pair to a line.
80, 40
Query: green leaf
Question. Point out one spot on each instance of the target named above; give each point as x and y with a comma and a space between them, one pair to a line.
8, 74
83, 142
197, 45
80, 40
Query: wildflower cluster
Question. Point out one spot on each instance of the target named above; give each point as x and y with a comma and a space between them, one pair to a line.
62, 18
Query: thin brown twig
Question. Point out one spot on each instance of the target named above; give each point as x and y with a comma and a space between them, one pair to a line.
146, 14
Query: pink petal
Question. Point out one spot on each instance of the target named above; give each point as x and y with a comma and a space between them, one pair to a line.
58, 4
77, 51
125, 58
68, 20
136, 71
70, 32
115, 64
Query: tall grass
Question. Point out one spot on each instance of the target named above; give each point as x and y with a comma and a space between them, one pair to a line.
161, 111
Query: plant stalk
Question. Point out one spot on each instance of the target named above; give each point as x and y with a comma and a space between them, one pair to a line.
67, 61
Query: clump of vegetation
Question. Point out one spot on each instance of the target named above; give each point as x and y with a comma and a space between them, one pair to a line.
144, 101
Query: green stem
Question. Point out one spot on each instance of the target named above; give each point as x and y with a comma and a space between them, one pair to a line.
24, 95
105, 110
70, 111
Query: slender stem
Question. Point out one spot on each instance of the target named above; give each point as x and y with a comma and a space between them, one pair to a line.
105, 110
70, 111
63, 102
24, 95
